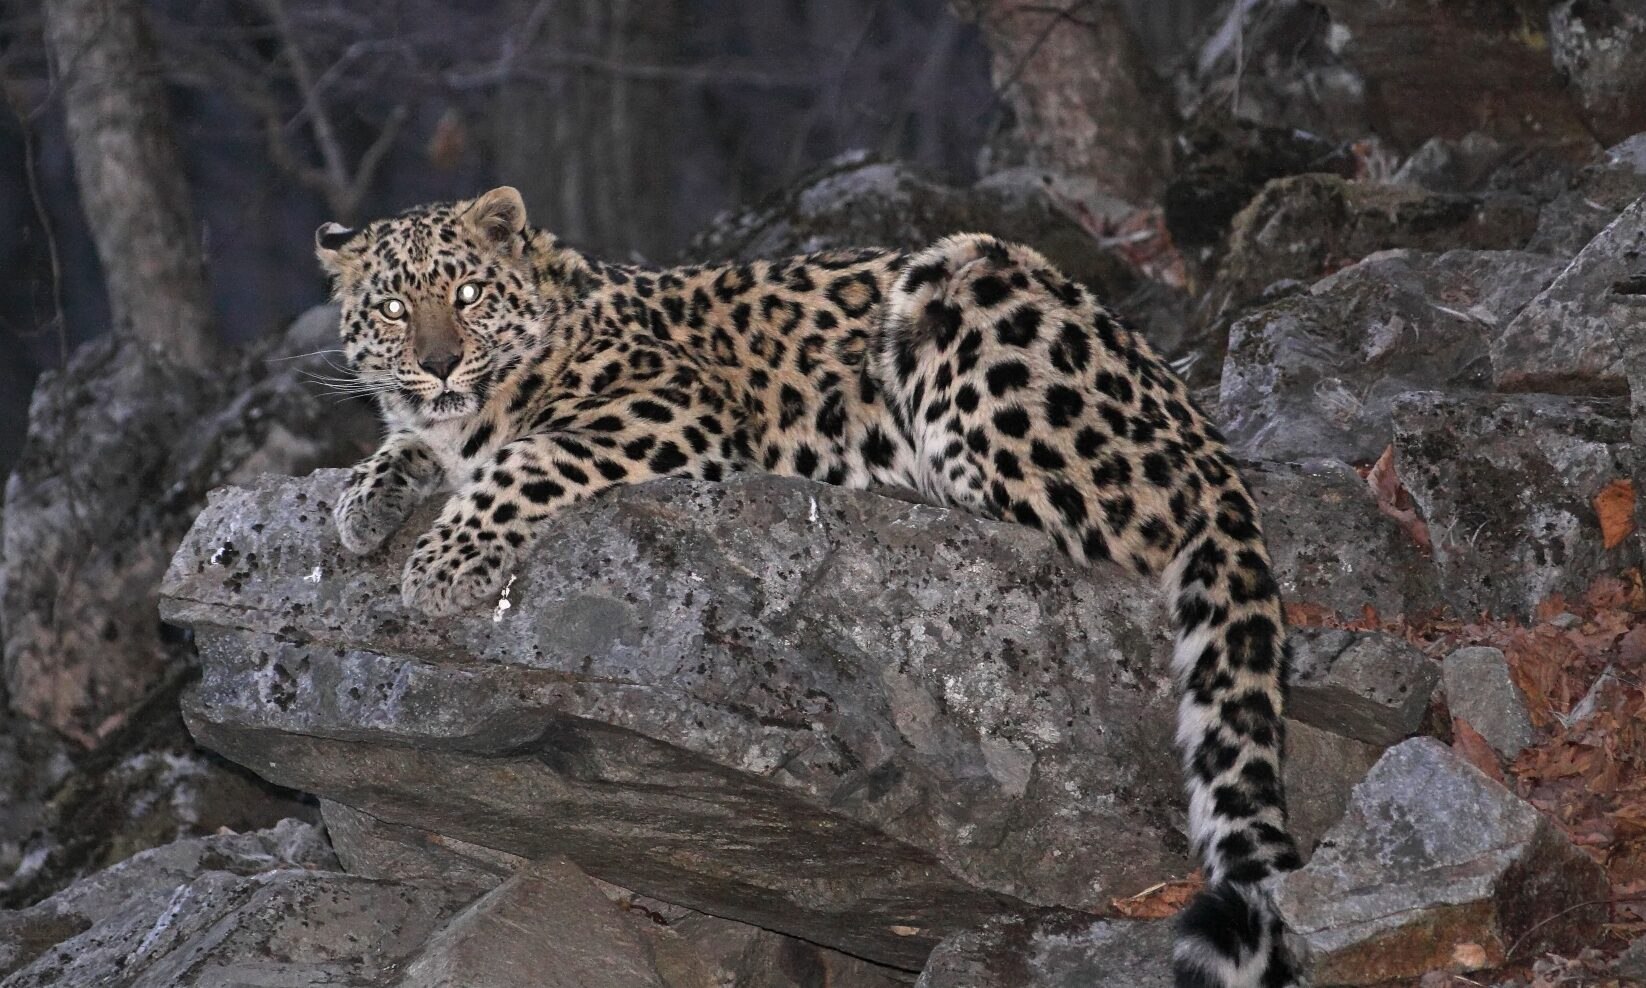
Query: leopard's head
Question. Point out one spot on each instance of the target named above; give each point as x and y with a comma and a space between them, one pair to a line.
438, 302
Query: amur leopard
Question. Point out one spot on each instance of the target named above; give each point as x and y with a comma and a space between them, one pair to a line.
522, 376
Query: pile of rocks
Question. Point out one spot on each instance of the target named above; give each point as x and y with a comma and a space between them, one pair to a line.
773, 733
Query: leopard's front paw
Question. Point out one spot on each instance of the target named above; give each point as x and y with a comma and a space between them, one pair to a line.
367, 516
450, 571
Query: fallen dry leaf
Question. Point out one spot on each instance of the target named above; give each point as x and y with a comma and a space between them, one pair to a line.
1393, 499
1615, 504
1468, 957
1302, 614
1474, 749
1159, 901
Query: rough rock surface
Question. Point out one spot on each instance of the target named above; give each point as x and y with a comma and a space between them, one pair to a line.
121, 449
1581, 334
1479, 690
870, 725
1362, 685
739, 954
145, 785
1320, 772
1507, 484
142, 887
371, 848
546, 926
1055, 949
1592, 198
1462, 165
857, 201
940, 701
271, 909
687, 948
1431, 854
279, 929
32, 764
1302, 227
1315, 374
1600, 50
1330, 545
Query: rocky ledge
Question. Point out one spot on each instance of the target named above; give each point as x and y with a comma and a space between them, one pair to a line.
844, 722
858, 720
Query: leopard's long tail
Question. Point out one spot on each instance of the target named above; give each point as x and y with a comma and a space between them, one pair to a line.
1231, 663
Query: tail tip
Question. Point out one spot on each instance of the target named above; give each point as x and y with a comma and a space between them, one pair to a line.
1231, 936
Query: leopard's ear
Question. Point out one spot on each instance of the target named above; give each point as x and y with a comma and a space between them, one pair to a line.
499, 217
331, 246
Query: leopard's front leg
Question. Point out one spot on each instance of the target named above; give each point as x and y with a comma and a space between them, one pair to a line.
383, 491
468, 554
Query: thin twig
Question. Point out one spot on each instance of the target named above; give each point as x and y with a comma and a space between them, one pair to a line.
331, 152
1610, 902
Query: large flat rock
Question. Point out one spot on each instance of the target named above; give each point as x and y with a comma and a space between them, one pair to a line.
854, 719
840, 715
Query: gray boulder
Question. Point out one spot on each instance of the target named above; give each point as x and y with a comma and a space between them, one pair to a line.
1595, 195
1055, 949
1583, 333
1600, 50
145, 786
685, 948
1508, 485
1303, 227
1316, 374
142, 888
1432, 853
544, 927
1480, 690
1332, 548
1362, 685
122, 446
276, 929
830, 713
1461, 165
846, 717
1320, 772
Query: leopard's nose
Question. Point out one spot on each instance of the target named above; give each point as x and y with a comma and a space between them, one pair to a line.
440, 364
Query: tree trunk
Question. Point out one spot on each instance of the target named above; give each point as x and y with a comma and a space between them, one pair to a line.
131, 181
1084, 100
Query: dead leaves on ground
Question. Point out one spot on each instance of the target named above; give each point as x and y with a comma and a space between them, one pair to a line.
1581, 663
1158, 901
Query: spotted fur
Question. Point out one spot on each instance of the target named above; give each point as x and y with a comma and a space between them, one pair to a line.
971, 371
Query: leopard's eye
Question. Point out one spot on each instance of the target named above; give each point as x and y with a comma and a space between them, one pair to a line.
392, 308
468, 292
